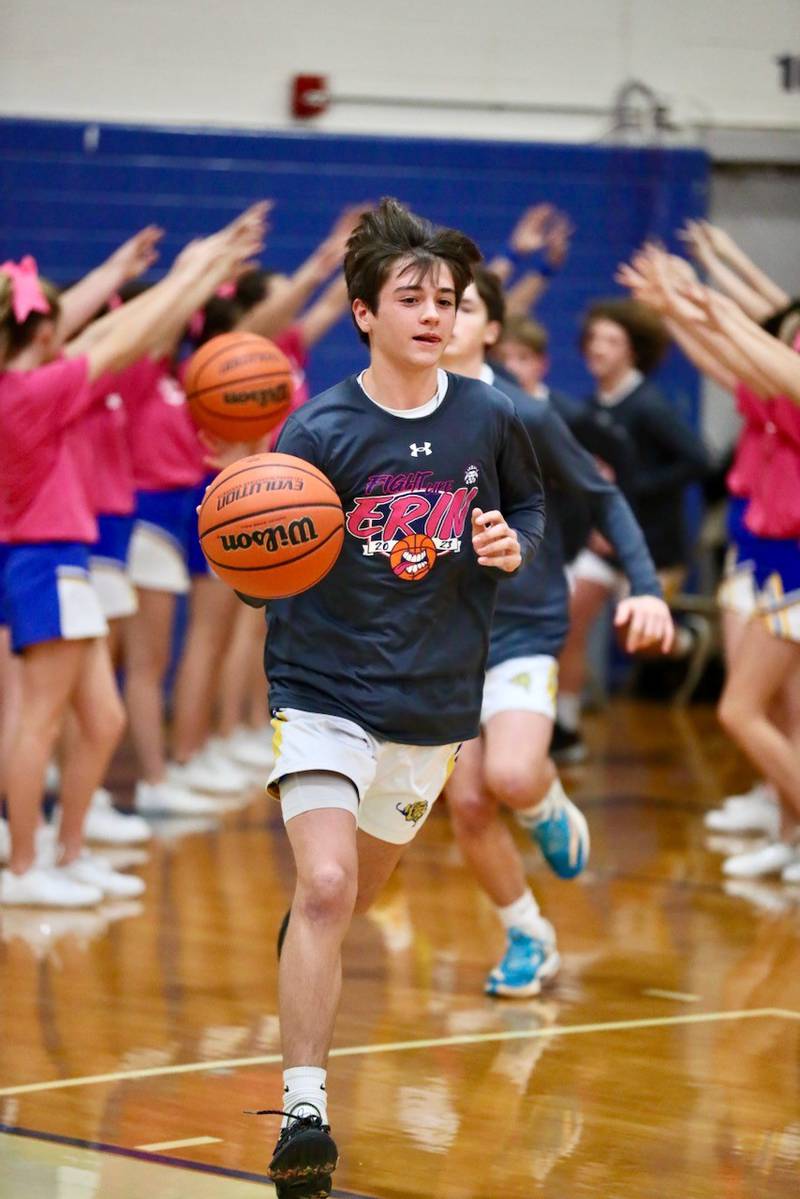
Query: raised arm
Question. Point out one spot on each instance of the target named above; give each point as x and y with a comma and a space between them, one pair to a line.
668, 285
694, 305
139, 327
324, 312
777, 365
701, 246
85, 299
730, 252
275, 312
700, 355
538, 247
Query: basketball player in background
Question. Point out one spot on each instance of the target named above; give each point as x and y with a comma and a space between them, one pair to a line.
376, 673
509, 765
653, 455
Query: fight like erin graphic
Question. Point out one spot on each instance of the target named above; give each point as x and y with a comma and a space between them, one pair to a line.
412, 519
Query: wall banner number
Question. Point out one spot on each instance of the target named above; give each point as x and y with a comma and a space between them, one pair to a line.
789, 72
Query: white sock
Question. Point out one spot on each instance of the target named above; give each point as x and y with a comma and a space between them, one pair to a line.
524, 914
528, 816
568, 711
305, 1092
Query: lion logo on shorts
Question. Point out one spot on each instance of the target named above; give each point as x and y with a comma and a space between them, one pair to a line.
413, 812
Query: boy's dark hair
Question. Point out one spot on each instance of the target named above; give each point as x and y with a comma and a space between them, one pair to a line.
646, 332
490, 290
391, 232
526, 332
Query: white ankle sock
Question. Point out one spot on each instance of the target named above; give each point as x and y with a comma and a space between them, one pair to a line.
568, 711
523, 914
304, 1092
529, 816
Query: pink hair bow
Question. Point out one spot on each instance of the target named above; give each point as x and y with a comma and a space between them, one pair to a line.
197, 324
26, 290
226, 291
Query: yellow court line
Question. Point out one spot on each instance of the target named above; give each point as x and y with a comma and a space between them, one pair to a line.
159, 1146
678, 996
269, 1059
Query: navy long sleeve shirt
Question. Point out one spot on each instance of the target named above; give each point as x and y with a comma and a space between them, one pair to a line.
532, 610
396, 636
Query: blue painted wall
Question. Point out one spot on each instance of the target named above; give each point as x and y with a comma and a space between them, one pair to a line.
70, 199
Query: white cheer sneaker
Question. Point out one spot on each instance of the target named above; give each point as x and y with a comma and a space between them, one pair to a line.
772, 859
93, 871
168, 799
246, 747
791, 872
46, 887
107, 826
211, 772
757, 811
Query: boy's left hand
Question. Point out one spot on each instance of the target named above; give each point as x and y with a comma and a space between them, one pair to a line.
495, 543
644, 622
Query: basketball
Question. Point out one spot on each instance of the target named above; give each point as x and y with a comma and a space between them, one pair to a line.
239, 386
271, 525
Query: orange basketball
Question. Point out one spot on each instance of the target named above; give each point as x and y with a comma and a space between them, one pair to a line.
413, 557
271, 525
239, 386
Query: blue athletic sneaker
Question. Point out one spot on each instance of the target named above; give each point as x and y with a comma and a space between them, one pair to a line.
561, 832
527, 963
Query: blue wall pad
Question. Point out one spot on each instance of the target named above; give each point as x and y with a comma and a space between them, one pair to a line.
71, 192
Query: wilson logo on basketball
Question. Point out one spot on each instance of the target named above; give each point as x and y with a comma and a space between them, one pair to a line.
264, 397
274, 538
255, 488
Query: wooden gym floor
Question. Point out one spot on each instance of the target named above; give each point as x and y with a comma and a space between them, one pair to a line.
665, 1061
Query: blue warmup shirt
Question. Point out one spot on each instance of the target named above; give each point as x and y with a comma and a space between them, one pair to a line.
532, 610
396, 636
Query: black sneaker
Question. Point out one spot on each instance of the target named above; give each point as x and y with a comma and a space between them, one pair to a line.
567, 746
304, 1160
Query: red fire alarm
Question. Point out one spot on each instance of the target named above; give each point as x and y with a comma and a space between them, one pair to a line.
310, 96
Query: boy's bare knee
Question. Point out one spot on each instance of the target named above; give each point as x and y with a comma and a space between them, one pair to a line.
326, 892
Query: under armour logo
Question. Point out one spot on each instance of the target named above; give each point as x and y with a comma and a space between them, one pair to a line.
416, 450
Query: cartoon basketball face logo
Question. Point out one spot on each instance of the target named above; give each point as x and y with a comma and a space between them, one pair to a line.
413, 557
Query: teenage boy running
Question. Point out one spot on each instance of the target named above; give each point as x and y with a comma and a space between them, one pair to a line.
509, 765
376, 673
